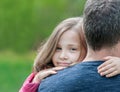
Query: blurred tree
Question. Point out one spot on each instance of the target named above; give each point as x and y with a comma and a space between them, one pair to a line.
25, 23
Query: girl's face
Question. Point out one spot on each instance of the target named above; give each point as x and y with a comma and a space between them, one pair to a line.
68, 49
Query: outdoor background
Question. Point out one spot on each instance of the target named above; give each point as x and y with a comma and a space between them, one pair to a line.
23, 25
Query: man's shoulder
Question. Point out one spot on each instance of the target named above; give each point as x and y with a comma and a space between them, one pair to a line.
78, 77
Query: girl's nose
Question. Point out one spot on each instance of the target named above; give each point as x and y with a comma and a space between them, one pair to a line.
63, 56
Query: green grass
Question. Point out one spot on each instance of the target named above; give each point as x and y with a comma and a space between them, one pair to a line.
14, 69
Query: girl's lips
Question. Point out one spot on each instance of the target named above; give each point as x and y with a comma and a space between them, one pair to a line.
63, 64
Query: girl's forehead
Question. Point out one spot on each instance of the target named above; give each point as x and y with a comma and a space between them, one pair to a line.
69, 36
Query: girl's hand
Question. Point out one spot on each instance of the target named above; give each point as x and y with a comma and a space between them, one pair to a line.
44, 73
110, 67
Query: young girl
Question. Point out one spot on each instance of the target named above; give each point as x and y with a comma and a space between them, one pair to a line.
65, 47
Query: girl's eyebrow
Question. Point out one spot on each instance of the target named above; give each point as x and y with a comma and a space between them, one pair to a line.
58, 44
73, 45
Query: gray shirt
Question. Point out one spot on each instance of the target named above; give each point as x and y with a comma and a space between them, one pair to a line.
82, 77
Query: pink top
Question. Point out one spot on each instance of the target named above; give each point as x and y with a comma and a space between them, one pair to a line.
28, 86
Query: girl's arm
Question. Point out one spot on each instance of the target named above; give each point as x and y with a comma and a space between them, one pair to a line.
28, 85
32, 82
110, 67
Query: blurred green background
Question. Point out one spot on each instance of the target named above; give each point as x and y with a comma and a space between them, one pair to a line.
23, 25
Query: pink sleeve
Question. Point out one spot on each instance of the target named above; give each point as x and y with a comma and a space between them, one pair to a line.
28, 86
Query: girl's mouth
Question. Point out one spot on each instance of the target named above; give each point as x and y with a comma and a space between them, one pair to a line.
63, 64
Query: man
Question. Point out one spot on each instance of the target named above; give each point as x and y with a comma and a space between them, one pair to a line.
102, 30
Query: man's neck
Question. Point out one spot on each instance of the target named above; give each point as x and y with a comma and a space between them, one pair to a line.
99, 55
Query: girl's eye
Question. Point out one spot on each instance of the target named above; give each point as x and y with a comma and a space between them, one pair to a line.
58, 49
73, 49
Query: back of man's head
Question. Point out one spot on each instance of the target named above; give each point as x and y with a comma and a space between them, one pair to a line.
102, 23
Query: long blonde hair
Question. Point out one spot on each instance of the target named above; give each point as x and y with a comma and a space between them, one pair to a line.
47, 50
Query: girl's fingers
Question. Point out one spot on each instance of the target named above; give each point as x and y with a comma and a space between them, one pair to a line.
111, 70
110, 67
112, 74
50, 71
44, 74
104, 64
105, 68
57, 68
